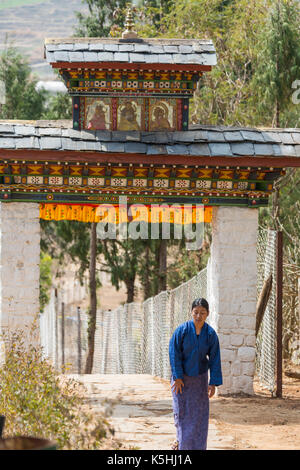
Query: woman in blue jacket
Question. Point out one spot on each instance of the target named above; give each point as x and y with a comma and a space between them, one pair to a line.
194, 350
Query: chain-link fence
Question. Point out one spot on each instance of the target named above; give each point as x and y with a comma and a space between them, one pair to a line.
291, 312
266, 337
63, 332
134, 338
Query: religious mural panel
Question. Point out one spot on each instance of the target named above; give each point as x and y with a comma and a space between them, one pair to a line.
130, 114
98, 113
162, 115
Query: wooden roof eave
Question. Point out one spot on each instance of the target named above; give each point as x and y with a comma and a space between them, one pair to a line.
131, 66
146, 159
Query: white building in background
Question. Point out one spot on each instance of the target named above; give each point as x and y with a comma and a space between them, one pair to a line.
51, 86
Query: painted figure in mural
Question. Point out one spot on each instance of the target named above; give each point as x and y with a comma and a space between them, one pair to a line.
160, 121
194, 350
128, 118
98, 120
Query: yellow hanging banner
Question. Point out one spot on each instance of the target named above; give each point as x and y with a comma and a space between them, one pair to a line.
120, 214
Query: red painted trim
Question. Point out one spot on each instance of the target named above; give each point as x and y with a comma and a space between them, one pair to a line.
129, 66
190, 160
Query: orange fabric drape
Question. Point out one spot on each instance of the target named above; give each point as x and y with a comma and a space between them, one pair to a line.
116, 214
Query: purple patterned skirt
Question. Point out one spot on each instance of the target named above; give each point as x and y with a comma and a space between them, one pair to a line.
191, 413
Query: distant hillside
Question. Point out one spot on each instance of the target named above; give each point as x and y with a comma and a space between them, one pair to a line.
27, 23
17, 3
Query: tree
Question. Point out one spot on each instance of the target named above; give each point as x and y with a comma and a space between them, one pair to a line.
67, 239
98, 23
59, 106
185, 264
76, 241
286, 217
23, 100
278, 62
225, 95
153, 13
45, 279
153, 266
93, 299
147, 268
161, 265
121, 261
278, 67
102, 16
163, 5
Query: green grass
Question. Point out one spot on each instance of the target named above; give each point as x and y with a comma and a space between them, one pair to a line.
18, 3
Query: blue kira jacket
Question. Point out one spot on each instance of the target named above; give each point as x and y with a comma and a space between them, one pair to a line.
192, 355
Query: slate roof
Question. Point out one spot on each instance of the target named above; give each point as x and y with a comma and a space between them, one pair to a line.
154, 51
198, 141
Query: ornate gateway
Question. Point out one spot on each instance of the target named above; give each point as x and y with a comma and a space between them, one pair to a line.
129, 135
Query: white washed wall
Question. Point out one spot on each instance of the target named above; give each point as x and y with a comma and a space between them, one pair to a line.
19, 264
232, 288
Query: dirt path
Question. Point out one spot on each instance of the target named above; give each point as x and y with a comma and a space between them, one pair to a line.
261, 422
143, 418
142, 410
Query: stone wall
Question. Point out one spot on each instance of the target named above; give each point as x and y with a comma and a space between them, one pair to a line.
19, 264
232, 274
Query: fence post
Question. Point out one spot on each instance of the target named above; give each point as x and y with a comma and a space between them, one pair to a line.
105, 350
299, 310
63, 336
152, 340
279, 315
79, 340
2, 422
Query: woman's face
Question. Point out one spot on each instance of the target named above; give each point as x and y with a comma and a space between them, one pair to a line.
199, 315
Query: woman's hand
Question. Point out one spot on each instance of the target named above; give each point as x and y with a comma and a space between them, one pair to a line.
177, 385
211, 390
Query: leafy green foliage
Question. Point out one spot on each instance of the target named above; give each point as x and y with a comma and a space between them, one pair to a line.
67, 240
258, 53
37, 402
148, 267
102, 16
185, 264
121, 261
278, 59
150, 17
45, 279
59, 106
23, 101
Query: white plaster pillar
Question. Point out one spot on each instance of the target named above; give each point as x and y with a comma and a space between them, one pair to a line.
19, 265
231, 292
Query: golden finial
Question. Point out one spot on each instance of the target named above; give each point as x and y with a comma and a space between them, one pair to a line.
129, 32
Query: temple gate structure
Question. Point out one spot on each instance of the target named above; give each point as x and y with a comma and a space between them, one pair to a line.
130, 137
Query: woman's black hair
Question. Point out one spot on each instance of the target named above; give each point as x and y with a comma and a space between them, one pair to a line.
201, 302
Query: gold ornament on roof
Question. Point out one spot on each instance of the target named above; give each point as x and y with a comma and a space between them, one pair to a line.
129, 32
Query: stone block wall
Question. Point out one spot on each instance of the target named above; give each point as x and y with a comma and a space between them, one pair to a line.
232, 281
19, 264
